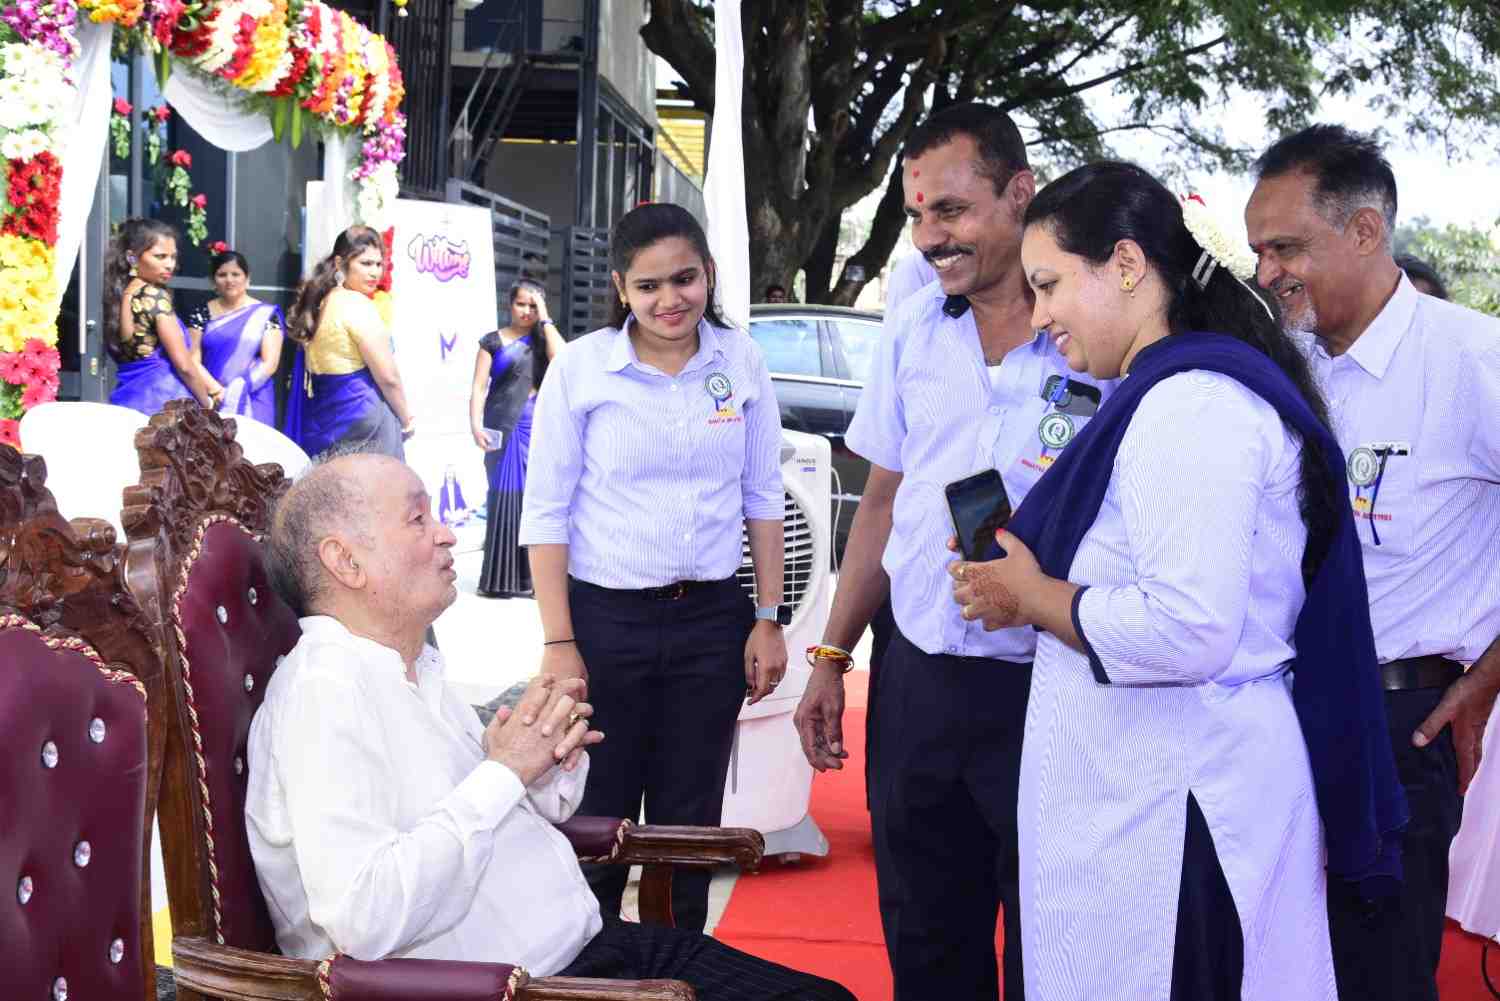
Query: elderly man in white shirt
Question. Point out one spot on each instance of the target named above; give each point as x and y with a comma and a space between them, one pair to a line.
383, 819
1413, 388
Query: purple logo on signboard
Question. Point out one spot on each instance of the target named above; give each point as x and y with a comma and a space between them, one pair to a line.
439, 256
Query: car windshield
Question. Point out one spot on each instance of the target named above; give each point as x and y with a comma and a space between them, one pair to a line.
790, 345
859, 338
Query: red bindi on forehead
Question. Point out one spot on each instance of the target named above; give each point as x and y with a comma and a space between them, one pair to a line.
920, 199
916, 173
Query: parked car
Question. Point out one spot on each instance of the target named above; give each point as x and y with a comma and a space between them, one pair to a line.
820, 357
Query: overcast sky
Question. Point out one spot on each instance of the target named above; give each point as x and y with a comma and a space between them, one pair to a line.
1464, 190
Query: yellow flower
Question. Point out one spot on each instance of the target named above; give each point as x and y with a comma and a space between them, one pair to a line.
271, 40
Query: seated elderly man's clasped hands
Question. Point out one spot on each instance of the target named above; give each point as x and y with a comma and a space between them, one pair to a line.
384, 820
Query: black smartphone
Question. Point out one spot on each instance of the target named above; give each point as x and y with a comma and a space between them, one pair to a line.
980, 507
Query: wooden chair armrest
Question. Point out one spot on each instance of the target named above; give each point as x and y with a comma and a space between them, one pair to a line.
589, 989
699, 847
229, 974
221, 971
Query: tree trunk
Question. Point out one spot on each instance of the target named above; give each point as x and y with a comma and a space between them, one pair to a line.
885, 233
818, 269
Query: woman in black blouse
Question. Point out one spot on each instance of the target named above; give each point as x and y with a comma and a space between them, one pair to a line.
510, 363
141, 330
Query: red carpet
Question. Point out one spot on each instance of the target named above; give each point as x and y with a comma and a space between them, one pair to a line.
821, 915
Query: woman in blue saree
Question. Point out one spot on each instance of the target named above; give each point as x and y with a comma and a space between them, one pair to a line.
510, 364
346, 392
141, 329
238, 340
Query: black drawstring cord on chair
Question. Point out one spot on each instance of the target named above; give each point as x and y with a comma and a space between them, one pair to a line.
1484, 970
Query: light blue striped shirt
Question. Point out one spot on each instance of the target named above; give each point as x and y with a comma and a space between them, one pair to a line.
935, 413
646, 477
1415, 402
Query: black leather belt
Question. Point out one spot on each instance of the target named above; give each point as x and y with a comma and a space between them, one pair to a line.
667, 592
1419, 672
672, 592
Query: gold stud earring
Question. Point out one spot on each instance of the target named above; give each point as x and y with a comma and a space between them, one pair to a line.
1128, 284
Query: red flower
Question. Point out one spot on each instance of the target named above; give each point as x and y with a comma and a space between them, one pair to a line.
122, 106
13, 367
161, 113
33, 191
181, 158
37, 393
168, 13
10, 433
218, 247
201, 202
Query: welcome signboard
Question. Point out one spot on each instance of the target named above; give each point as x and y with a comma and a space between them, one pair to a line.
443, 302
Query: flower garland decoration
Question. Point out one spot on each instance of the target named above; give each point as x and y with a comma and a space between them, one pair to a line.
301, 61
154, 124
119, 128
38, 45
1233, 254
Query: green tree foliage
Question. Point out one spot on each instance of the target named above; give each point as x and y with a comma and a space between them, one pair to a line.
862, 73
1467, 258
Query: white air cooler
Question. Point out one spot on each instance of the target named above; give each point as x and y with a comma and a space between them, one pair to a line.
770, 781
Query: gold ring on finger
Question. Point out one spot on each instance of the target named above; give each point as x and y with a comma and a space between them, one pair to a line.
963, 569
574, 718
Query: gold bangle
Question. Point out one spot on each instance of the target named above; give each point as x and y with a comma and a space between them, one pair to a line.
835, 654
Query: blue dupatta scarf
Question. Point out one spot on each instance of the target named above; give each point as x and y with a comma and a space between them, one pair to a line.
1336, 689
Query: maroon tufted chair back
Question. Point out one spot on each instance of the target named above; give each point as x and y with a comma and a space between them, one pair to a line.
73, 791
233, 630
194, 524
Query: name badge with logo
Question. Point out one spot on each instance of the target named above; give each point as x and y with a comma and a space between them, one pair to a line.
721, 390
1056, 430
1366, 468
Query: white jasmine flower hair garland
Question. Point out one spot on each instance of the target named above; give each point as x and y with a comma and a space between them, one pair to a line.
1220, 249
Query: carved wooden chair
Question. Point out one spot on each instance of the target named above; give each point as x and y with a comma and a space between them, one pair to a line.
195, 525
77, 773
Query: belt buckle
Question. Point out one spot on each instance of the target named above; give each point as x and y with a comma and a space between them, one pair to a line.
675, 590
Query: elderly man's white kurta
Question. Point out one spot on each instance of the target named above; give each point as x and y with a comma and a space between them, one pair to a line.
379, 828
1194, 587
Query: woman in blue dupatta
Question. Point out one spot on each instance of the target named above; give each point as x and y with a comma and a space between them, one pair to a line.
1205, 730
141, 329
346, 391
238, 340
507, 373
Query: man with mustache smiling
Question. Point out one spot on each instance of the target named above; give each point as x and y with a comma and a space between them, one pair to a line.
1413, 388
960, 383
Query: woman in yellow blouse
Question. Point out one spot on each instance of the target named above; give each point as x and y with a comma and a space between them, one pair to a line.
346, 391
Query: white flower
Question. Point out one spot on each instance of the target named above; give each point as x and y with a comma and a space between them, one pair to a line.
24, 145
377, 194
1230, 249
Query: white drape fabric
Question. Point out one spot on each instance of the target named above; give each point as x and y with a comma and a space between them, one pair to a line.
330, 202
724, 187
215, 114
85, 132
1474, 862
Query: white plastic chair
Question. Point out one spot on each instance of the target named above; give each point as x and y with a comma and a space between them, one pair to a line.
263, 443
90, 453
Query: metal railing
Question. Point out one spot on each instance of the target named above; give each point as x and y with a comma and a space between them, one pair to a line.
587, 290
522, 236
